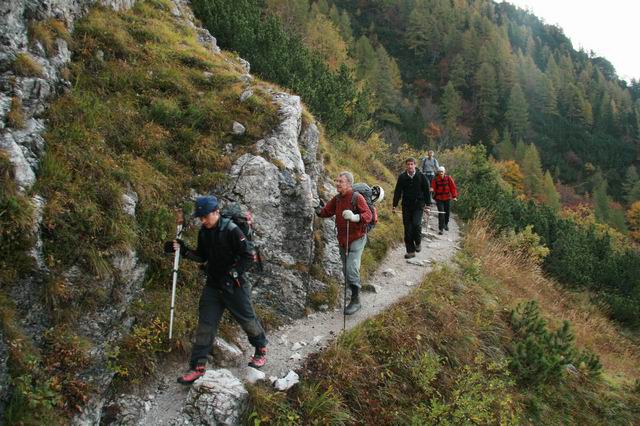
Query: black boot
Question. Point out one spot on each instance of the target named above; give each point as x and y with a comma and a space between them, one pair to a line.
354, 304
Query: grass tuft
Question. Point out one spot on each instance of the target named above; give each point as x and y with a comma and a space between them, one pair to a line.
25, 66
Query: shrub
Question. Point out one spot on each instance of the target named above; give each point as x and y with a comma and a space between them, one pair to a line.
539, 356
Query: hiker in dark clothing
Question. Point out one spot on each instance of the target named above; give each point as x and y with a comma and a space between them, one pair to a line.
429, 166
342, 206
413, 187
444, 190
225, 249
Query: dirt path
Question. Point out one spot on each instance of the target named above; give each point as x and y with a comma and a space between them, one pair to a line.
165, 400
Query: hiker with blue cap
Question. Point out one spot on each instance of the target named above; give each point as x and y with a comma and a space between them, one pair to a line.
227, 253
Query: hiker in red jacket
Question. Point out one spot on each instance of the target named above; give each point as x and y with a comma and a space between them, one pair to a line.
342, 206
444, 190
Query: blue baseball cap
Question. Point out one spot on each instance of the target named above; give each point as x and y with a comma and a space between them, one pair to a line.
205, 205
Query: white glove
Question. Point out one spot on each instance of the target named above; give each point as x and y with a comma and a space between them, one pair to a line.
349, 215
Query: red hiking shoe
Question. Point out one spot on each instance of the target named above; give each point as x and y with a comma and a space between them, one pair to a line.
192, 375
258, 359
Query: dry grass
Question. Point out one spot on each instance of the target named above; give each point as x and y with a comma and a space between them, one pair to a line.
524, 281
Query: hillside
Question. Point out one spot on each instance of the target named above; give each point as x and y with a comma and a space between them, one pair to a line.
115, 116
439, 74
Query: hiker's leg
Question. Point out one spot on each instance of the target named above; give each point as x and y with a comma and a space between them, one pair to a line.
353, 262
416, 221
210, 311
239, 304
441, 220
447, 209
407, 222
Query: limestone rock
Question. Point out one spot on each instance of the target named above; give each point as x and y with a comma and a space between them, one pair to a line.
238, 129
287, 382
226, 354
389, 273
254, 376
217, 398
246, 95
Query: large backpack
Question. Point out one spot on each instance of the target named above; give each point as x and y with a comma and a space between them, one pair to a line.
367, 192
243, 219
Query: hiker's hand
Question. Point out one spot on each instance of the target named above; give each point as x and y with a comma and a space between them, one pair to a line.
455, 199
235, 277
179, 245
349, 215
168, 247
318, 210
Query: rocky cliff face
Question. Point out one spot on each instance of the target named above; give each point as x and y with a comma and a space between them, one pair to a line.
279, 183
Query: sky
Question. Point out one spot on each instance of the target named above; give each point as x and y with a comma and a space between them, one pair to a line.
610, 28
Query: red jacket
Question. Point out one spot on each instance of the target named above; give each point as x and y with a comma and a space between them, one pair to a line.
444, 188
337, 205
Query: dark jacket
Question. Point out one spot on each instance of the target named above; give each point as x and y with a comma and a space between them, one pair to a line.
414, 191
224, 248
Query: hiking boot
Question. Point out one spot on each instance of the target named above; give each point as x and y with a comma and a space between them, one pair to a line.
193, 375
440, 232
409, 255
418, 248
446, 227
354, 304
259, 358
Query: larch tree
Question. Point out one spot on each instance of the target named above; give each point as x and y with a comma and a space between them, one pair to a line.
451, 106
550, 195
532, 170
517, 115
486, 95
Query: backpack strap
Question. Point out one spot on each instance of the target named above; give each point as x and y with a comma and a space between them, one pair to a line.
354, 202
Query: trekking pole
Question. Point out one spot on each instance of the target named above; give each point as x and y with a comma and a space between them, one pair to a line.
176, 261
344, 301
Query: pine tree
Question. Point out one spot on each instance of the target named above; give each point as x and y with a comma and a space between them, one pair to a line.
458, 73
517, 115
520, 151
451, 107
600, 198
324, 39
550, 195
486, 95
532, 170
631, 185
388, 81
505, 150
549, 97
366, 60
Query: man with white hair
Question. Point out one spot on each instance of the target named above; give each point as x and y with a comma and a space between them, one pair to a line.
342, 206
444, 190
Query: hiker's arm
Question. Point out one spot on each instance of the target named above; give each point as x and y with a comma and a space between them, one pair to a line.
426, 190
397, 192
329, 209
242, 250
197, 255
363, 208
452, 187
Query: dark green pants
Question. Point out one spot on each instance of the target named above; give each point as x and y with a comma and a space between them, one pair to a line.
213, 302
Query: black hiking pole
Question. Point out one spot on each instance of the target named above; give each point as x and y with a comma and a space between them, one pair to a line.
344, 301
176, 261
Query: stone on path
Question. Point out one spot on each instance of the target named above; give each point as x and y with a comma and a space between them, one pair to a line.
296, 346
218, 397
389, 273
370, 288
417, 262
253, 375
287, 382
225, 354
